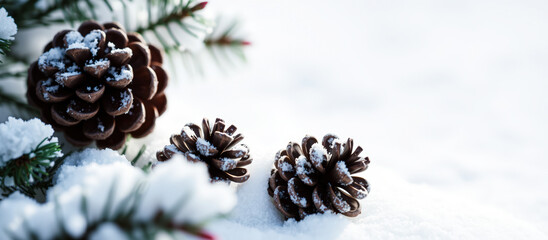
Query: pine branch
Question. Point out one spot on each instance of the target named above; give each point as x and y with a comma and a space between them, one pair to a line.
28, 15
171, 20
4, 46
32, 171
177, 15
222, 46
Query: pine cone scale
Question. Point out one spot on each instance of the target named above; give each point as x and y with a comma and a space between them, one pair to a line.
358, 188
145, 83
141, 53
117, 37
49, 91
134, 118
90, 92
299, 193
283, 203
59, 114
221, 140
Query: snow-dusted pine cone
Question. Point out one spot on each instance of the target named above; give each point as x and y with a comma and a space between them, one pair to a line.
317, 177
216, 146
99, 84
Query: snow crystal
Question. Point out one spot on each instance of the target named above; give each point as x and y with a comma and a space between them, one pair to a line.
19, 137
7, 26
204, 147
125, 73
125, 99
100, 125
54, 57
92, 41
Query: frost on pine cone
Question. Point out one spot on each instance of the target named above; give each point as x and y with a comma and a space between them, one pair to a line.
317, 177
99, 84
217, 146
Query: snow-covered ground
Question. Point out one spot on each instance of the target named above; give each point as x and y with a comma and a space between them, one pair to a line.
446, 97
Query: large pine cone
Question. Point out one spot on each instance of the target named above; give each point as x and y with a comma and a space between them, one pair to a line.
99, 83
217, 147
317, 177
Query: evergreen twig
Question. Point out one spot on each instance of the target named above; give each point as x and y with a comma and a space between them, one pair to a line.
32, 171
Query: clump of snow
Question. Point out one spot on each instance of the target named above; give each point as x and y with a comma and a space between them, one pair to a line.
241, 147
123, 50
113, 49
317, 153
13, 209
20, 137
92, 39
54, 57
71, 71
74, 40
173, 148
341, 167
228, 163
85, 158
108, 231
115, 75
110, 186
303, 166
8, 28
204, 147
285, 166
50, 87
204, 200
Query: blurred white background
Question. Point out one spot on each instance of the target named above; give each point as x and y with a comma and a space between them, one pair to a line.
446, 94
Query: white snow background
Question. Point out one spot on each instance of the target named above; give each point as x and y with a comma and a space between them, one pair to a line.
446, 97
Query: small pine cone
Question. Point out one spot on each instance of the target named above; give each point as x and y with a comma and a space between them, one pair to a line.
317, 177
217, 147
99, 84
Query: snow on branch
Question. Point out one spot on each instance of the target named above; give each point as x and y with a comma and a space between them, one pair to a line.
28, 156
176, 199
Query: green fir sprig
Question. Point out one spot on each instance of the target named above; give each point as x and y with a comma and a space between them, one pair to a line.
31, 171
4, 46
